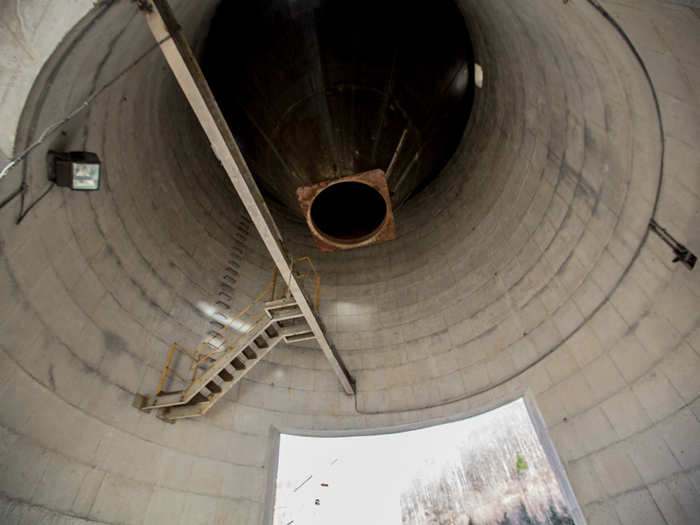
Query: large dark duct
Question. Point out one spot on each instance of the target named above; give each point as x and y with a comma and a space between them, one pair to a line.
325, 89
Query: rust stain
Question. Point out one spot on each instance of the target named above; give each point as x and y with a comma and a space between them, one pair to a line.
375, 179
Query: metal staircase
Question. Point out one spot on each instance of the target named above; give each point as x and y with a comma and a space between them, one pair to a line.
228, 355
283, 321
170, 38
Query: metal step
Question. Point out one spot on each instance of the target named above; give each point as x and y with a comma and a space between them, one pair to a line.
298, 338
295, 329
283, 309
230, 357
280, 303
226, 376
286, 313
171, 414
213, 387
297, 333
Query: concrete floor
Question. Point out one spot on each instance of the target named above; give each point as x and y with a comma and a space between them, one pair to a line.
525, 267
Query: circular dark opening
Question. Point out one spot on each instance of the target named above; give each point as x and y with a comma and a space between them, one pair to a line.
348, 211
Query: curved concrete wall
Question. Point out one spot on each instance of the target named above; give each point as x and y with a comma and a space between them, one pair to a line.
526, 266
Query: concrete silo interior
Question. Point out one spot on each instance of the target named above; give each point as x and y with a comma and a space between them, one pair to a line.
523, 265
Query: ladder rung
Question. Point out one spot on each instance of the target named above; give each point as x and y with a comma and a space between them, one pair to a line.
250, 353
238, 364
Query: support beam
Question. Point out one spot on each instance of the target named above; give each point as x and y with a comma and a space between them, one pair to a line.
184, 66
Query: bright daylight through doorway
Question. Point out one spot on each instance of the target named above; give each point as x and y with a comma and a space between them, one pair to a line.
487, 469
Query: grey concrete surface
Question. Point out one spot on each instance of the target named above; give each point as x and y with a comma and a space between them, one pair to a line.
29, 32
525, 266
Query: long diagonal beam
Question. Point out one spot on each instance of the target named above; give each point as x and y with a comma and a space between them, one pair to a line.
179, 56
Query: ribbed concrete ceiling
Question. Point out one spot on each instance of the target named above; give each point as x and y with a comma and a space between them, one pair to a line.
524, 265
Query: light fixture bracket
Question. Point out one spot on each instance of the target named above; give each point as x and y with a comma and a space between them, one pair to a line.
77, 170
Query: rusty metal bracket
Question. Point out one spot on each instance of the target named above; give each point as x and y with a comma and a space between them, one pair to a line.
682, 254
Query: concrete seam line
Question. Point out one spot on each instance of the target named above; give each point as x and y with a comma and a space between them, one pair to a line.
662, 137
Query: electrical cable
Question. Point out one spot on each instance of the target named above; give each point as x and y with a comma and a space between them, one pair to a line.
22, 212
12, 195
56, 125
49, 130
635, 256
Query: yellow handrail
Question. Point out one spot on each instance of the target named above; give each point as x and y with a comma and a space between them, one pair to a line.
234, 343
165, 369
199, 356
316, 281
317, 284
228, 325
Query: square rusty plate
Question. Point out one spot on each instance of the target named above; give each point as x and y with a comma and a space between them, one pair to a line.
385, 230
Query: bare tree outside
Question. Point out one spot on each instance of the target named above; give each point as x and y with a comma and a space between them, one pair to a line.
503, 477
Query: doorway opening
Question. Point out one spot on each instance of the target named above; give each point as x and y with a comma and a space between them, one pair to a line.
496, 468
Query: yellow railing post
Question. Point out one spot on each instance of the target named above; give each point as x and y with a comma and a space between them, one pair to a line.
199, 356
165, 369
230, 323
194, 372
274, 282
318, 293
318, 279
